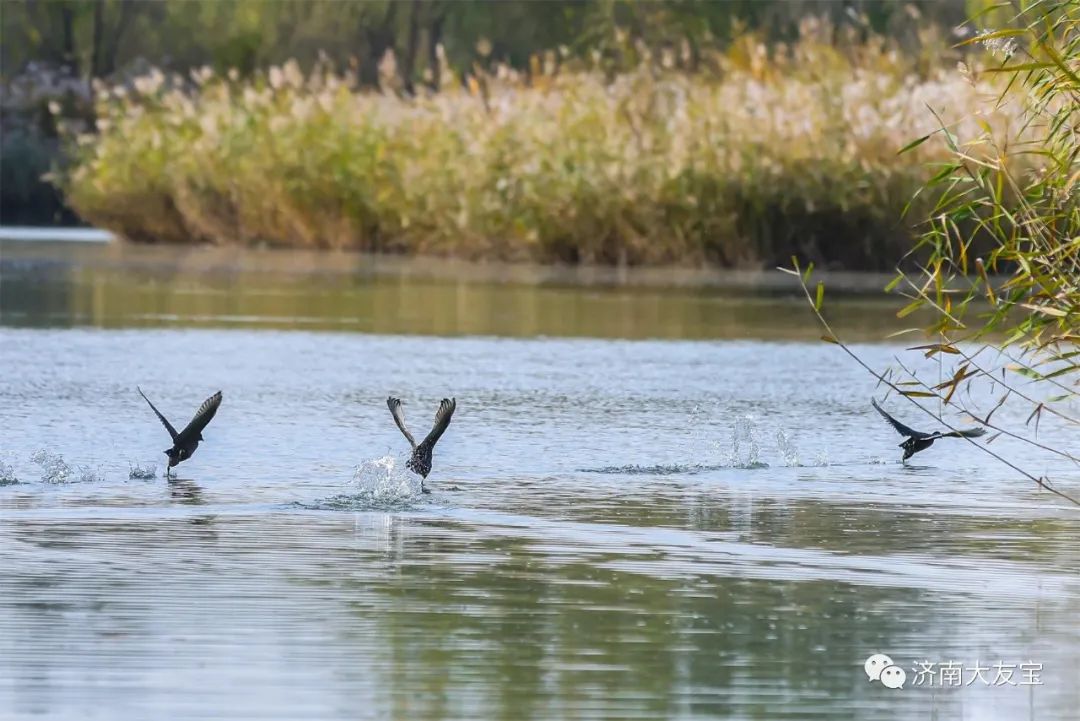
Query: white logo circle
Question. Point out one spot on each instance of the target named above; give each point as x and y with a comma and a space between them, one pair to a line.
874, 665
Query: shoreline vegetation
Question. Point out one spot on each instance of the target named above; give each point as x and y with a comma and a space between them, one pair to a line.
768, 151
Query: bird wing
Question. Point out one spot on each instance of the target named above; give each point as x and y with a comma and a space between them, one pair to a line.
394, 404
966, 433
163, 419
900, 427
202, 417
442, 420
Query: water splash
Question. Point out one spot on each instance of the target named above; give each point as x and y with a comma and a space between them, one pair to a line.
140, 472
90, 475
703, 439
381, 483
7, 475
745, 450
788, 449
53, 467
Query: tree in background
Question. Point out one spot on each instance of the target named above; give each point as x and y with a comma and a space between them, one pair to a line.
95, 38
999, 257
51, 49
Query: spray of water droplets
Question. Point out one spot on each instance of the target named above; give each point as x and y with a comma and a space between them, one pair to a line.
140, 472
7, 475
381, 483
53, 467
702, 437
87, 474
55, 470
787, 448
745, 450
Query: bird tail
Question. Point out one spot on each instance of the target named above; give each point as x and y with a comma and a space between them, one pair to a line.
967, 433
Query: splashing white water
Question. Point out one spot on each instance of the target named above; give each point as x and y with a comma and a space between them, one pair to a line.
787, 448
7, 475
381, 482
702, 437
140, 472
90, 475
745, 450
53, 467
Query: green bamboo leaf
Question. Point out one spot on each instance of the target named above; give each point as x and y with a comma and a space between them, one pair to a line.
1061, 372
910, 308
944, 173
1060, 63
1046, 310
935, 348
1022, 67
914, 144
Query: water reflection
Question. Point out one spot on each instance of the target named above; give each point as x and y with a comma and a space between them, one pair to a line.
134, 287
428, 617
644, 529
185, 491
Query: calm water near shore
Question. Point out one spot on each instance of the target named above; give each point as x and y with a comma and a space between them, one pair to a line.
124, 286
660, 497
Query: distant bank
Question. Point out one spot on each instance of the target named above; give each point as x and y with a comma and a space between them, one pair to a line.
60, 235
88, 247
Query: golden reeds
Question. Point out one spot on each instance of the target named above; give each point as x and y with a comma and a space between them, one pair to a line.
773, 151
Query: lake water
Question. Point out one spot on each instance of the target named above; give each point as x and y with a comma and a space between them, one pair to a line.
651, 503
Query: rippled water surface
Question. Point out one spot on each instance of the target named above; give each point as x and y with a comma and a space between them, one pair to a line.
619, 527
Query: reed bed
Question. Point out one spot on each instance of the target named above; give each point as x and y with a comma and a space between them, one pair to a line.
763, 153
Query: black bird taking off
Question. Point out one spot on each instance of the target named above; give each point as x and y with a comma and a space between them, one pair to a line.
919, 441
186, 441
421, 455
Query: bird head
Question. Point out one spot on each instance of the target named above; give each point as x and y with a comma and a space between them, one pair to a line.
175, 456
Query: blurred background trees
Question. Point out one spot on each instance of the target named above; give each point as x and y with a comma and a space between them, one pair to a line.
95, 38
52, 50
